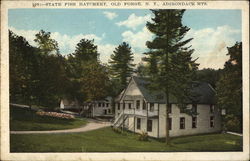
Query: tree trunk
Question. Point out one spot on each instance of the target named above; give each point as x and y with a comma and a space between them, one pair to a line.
167, 88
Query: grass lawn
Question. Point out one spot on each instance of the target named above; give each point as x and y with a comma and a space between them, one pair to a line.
22, 119
106, 140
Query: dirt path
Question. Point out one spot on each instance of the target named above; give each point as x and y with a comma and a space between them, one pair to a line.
88, 127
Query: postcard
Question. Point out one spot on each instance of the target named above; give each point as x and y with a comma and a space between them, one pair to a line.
124, 80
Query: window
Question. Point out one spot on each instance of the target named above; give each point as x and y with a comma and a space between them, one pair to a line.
123, 105
170, 109
182, 123
194, 108
170, 123
107, 104
194, 122
211, 109
129, 105
138, 104
211, 121
149, 125
109, 111
99, 104
138, 123
103, 104
144, 105
151, 106
118, 106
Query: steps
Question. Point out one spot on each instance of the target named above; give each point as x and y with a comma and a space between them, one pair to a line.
120, 120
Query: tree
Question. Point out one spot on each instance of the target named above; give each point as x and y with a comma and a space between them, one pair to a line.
86, 51
142, 70
172, 67
88, 78
21, 54
95, 81
208, 75
51, 68
45, 43
229, 86
121, 66
36, 75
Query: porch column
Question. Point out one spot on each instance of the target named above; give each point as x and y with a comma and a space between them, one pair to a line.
158, 133
147, 116
123, 106
134, 116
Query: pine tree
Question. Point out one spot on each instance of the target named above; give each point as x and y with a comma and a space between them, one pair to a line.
121, 66
86, 51
172, 58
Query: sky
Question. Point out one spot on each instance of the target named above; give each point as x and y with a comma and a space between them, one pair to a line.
212, 30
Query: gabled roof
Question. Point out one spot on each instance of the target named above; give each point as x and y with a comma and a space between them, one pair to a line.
205, 93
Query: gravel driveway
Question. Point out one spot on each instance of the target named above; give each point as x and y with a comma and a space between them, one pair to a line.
92, 125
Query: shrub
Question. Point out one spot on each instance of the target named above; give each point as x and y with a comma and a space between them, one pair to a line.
232, 123
143, 136
117, 130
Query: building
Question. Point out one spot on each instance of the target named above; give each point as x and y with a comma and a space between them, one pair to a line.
66, 104
89, 109
140, 110
98, 108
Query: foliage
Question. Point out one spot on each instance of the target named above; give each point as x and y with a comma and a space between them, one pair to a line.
141, 70
106, 140
86, 51
22, 66
95, 81
36, 75
22, 119
121, 66
232, 123
208, 75
143, 136
170, 63
117, 130
46, 44
88, 79
229, 86
79, 76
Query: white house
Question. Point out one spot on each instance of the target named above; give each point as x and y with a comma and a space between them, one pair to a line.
89, 109
98, 108
140, 110
69, 104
